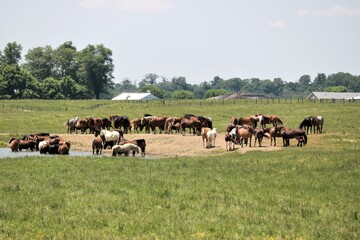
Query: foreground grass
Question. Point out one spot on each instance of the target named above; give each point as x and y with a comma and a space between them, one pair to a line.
295, 193
286, 195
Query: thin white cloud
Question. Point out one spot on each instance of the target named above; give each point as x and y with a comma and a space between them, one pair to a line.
143, 5
332, 12
277, 24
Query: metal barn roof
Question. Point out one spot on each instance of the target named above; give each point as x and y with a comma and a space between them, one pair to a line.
135, 96
333, 95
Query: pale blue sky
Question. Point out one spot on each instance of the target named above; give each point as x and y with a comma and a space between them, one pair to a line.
197, 39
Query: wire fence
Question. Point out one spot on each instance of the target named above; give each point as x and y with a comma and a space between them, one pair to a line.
175, 102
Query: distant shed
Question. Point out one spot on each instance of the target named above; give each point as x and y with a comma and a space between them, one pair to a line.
333, 95
135, 96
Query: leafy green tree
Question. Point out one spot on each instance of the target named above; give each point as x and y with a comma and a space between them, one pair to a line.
11, 54
336, 89
39, 62
125, 86
215, 92
96, 68
51, 89
234, 84
183, 94
16, 83
66, 63
319, 82
70, 89
153, 90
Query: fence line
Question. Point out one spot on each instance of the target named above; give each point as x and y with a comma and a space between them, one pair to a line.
194, 102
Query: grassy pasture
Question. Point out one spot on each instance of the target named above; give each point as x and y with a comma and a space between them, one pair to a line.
295, 193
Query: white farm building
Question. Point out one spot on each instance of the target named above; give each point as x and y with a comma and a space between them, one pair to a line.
135, 96
333, 95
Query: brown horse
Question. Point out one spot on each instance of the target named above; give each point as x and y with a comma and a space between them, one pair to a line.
259, 135
192, 123
170, 124
263, 120
251, 121
288, 134
244, 133
274, 133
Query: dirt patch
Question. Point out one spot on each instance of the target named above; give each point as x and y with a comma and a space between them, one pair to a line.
169, 144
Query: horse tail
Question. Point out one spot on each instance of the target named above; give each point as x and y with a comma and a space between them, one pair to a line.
67, 122
279, 121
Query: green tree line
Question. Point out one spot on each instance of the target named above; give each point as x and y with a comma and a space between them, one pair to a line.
68, 73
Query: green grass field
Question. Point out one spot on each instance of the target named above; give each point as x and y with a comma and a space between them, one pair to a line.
296, 193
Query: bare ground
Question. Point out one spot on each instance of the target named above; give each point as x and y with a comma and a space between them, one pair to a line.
171, 144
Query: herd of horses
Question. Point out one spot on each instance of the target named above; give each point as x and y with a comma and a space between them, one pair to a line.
42, 142
241, 130
109, 132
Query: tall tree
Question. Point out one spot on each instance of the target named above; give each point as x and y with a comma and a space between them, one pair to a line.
96, 68
66, 61
11, 54
39, 62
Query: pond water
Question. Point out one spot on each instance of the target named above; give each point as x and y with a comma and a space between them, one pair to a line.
7, 153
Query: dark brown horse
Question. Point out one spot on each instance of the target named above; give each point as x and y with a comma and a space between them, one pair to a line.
288, 134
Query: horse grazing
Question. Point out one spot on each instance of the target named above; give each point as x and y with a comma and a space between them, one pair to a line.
317, 122
274, 132
141, 143
27, 144
106, 135
288, 134
306, 124
126, 149
13, 144
64, 148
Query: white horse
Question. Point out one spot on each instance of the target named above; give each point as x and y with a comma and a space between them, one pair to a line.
107, 135
211, 137
126, 149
